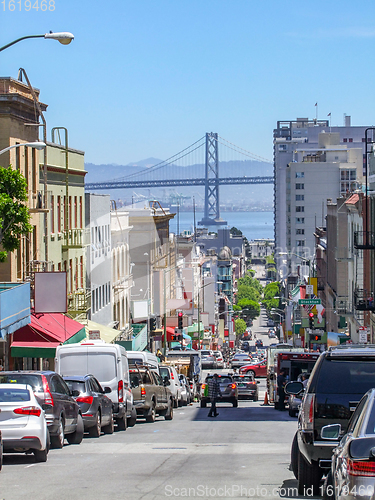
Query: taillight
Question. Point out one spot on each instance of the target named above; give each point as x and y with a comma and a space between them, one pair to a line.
143, 391
307, 413
48, 399
120, 390
233, 386
172, 376
203, 386
28, 410
85, 399
360, 468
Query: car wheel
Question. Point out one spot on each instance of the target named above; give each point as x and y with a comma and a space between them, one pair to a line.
180, 403
309, 476
185, 402
121, 423
175, 403
150, 418
255, 397
292, 413
203, 404
294, 456
1, 453
77, 436
169, 414
96, 429
132, 420
328, 489
58, 440
235, 403
110, 428
40, 455
251, 372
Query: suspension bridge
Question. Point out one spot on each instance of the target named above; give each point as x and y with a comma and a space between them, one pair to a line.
174, 172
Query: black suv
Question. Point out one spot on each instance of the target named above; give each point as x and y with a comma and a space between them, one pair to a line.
340, 377
63, 414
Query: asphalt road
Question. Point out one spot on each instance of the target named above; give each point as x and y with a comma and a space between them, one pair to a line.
243, 453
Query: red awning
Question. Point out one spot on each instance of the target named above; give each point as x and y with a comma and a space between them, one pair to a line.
46, 330
170, 332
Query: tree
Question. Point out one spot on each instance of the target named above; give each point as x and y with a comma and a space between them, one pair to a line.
235, 232
250, 308
239, 326
14, 214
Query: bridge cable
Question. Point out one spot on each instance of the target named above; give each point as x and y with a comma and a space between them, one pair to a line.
246, 153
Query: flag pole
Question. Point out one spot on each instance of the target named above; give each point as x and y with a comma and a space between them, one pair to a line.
316, 111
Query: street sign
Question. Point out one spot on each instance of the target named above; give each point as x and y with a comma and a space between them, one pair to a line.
363, 337
309, 302
310, 289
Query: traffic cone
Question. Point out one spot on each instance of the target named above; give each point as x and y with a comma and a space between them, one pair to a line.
266, 403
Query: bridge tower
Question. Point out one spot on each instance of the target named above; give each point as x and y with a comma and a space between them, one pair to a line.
211, 196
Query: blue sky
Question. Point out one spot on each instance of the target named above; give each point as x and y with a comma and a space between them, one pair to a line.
149, 77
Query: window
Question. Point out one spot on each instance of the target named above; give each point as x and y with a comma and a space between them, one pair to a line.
59, 214
300, 231
350, 139
300, 197
345, 140
52, 214
300, 175
300, 186
300, 208
300, 243
300, 220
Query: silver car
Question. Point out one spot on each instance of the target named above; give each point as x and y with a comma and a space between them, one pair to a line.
240, 359
352, 474
208, 359
219, 359
22, 422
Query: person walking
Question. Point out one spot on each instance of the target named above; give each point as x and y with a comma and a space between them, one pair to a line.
281, 381
213, 392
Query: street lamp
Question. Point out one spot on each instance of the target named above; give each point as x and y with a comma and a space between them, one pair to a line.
36, 145
308, 261
63, 37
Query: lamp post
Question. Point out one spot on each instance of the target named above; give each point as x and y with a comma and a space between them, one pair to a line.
274, 311
308, 261
199, 307
63, 37
36, 145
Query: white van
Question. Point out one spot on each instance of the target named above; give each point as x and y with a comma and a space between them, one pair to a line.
109, 364
144, 358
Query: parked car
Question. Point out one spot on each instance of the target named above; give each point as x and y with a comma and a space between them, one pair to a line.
219, 359
228, 387
186, 394
208, 360
270, 322
152, 396
247, 387
240, 359
259, 343
339, 379
169, 373
22, 422
96, 407
258, 369
109, 365
352, 473
62, 412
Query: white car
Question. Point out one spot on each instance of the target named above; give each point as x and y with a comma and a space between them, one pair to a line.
219, 359
169, 373
22, 422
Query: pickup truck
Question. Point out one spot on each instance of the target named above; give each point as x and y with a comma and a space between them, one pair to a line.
150, 395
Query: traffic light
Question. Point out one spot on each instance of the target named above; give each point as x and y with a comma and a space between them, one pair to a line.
316, 338
311, 320
152, 324
180, 320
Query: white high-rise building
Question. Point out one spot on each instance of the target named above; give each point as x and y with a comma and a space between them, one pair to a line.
312, 163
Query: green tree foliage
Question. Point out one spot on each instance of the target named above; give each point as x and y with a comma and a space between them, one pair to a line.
270, 291
239, 326
14, 214
236, 307
250, 308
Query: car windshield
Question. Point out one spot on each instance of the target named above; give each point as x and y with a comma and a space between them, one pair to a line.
76, 385
164, 372
340, 376
35, 381
205, 353
222, 380
14, 395
245, 378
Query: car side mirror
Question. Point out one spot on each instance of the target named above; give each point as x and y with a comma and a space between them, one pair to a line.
330, 432
75, 393
258, 382
107, 390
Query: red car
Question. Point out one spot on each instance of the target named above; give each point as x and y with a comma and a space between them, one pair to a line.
258, 369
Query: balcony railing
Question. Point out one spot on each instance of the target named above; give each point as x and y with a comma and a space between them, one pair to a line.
344, 307
73, 238
364, 240
364, 300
